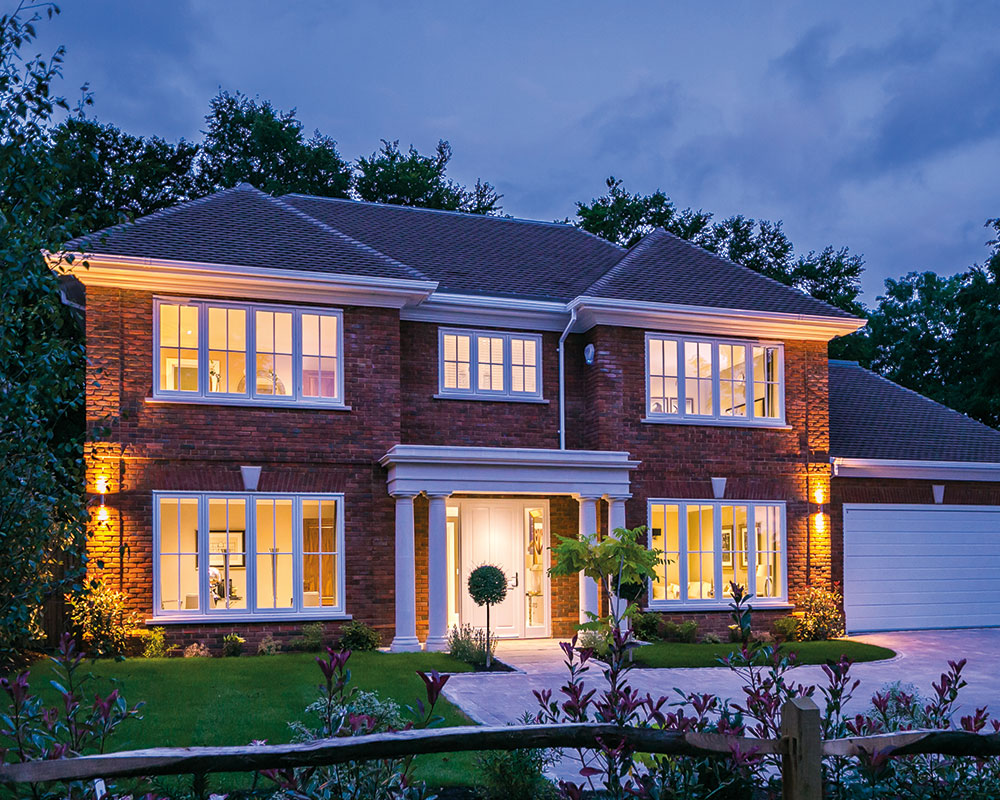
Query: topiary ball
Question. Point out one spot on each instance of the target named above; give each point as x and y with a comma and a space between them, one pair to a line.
487, 585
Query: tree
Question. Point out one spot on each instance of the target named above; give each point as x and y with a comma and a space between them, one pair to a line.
249, 140
833, 276
104, 176
41, 358
758, 244
412, 179
487, 587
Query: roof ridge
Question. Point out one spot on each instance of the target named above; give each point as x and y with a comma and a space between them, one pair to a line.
639, 247
919, 396
329, 229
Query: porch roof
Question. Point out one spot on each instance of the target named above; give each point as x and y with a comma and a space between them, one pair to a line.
444, 469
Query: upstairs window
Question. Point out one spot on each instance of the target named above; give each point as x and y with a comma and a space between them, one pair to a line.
232, 352
480, 365
691, 379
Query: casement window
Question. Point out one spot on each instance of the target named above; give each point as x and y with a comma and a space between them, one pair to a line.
706, 380
237, 352
481, 365
707, 545
248, 555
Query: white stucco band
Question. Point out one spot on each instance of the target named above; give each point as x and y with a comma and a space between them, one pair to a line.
450, 470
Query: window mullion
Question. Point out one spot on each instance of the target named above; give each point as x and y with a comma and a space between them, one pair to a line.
202, 349
752, 548
297, 354
720, 593
297, 545
202, 544
682, 548
508, 366
681, 378
716, 381
250, 544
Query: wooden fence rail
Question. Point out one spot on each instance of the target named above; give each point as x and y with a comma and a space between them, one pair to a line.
801, 749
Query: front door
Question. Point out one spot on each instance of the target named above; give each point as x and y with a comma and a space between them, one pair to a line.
502, 533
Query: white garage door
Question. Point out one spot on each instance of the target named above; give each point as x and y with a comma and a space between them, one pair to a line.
912, 567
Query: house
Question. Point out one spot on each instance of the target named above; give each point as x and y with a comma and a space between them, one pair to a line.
305, 409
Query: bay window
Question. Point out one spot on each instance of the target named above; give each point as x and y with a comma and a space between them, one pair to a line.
733, 382
707, 545
233, 352
236, 554
480, 365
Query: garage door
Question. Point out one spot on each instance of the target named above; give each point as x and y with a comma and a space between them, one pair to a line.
912, 567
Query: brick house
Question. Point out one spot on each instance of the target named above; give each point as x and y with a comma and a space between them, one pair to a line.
303, 409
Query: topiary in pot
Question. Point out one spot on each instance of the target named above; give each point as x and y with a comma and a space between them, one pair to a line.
487, 587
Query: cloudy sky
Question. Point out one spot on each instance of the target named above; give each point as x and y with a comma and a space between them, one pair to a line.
872, 125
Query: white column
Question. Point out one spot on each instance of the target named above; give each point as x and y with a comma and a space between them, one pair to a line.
616, 519
588, 586
405, 639
437, 573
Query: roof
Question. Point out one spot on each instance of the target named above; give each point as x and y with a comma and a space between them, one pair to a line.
665, 268
243, 227
872, 417
473, 253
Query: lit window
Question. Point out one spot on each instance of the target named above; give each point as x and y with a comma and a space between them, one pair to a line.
205, 350
505, 365
707, 546
714, 382
259, 555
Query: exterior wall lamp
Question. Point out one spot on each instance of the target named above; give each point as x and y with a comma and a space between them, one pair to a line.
102, 485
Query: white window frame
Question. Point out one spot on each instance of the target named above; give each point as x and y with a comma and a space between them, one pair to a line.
721, 599
474, 392
249, 396
682, 416
250, 613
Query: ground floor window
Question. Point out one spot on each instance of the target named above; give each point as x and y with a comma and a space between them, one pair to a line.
224, 554
708, 544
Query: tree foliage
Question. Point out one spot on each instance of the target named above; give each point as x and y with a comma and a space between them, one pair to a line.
41, 358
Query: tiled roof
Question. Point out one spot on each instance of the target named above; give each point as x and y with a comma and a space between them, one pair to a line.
244, 227
472, 253
871, 417
664, 268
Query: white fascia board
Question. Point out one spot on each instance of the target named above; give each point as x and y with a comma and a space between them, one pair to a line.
482, 310
593, 311
915, 470
227, 280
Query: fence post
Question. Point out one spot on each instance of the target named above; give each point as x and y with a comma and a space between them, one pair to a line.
802, 763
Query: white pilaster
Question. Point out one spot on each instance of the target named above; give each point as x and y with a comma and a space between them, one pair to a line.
437, 573
405, 639
588, 586
616, 520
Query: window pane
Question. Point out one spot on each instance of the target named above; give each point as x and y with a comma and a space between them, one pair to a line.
178, 568
732, 380
490, 350
767, 525
274, 554
698, 378
457, 368
523, 372
766, 382
665, 536
734, 547
178, 356
662, 357
319, 362
227, 353
227, 557
274, 353
700, 552
319, 553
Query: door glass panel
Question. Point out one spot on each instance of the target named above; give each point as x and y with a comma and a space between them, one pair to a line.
454, 581
534, 570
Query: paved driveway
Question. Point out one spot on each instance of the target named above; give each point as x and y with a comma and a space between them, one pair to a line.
499, 698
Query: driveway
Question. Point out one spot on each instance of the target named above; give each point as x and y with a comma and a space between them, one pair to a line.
499, 698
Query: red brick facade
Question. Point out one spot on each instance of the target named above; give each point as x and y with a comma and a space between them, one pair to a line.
390, 376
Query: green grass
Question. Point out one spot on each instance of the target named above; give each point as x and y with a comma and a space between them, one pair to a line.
680, 654
232, 701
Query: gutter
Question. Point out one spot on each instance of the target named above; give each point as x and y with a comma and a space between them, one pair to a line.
562, 378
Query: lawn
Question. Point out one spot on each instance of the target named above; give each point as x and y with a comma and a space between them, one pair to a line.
680, 654
232, 701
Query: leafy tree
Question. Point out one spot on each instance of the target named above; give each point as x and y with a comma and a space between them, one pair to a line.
412, 179
104, 175
758, 244
41, 359
833, 276
249, 140
487, 587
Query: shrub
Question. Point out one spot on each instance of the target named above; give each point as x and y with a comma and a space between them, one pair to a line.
786, 628
468, 645
101, 618
823, 618
197, 650
358, 636
232, 645
311, 639
598, 641
711, 638
646, 626
156, 644
268, 646
685, 632
515, 774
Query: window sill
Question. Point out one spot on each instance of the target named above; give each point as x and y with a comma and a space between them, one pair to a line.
714, 605
245, 403
222, 619
487, 399
770, 425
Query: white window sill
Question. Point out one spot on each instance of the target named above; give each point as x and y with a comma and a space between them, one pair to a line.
716, 605
770, 425
488, 399
222, 619
246, 403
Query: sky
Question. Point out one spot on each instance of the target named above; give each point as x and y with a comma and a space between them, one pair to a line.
870, 125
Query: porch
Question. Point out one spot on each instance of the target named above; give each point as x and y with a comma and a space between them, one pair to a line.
497, 505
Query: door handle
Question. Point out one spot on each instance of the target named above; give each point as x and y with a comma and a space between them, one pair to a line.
514, 584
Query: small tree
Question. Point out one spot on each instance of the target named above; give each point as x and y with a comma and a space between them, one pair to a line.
487, 587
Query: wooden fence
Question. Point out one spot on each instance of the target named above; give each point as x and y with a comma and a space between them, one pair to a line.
801, 748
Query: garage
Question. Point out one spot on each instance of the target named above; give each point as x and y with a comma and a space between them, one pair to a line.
911, 567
